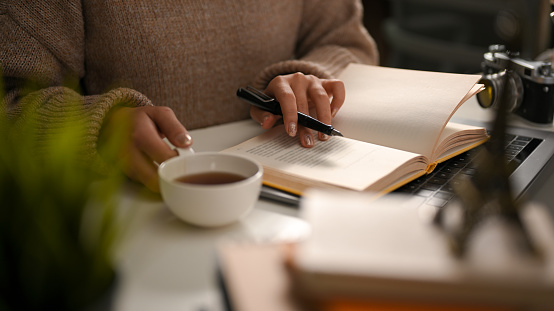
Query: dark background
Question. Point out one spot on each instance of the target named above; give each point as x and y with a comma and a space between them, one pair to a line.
453, 35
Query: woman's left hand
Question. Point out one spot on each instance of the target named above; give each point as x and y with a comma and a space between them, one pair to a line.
298, 92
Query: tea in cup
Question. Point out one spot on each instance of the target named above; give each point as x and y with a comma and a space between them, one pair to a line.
210, 189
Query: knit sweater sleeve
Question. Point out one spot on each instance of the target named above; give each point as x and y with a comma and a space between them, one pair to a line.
331, 36
42, 48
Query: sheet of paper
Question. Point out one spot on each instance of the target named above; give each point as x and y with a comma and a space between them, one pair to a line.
338, 161
402, 109
451, 138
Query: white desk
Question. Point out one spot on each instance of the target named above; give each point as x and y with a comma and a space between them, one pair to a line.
166, 264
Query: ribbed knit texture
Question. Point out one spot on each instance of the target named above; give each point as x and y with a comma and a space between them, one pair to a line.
188, 55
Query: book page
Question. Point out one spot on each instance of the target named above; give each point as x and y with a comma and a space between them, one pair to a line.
399, 108
339, 161
457, 138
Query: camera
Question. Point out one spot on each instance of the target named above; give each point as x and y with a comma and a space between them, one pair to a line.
527, 87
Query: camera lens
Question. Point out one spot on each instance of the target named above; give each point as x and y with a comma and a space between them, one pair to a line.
495, 85
486, 96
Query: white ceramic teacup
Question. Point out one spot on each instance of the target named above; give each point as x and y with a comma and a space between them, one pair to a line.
210, 205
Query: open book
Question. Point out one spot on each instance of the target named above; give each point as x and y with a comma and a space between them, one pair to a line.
396, 127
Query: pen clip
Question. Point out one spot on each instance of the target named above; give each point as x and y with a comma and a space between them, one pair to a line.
261, 95
259, 99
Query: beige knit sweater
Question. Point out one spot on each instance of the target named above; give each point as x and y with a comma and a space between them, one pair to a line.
185, 54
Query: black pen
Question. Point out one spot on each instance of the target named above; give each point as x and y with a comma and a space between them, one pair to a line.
261, 100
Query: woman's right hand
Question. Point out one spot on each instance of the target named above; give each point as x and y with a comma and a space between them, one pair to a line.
142, 142
298, 92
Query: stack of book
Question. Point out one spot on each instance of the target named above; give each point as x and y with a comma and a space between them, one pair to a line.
378, 254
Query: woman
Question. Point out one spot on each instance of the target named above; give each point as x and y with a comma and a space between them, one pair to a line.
168, 65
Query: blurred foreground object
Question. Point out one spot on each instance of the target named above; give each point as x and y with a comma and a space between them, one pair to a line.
488, 193
57, 220
384, 254
374, 251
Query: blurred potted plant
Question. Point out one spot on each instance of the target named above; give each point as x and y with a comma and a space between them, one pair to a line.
58, 223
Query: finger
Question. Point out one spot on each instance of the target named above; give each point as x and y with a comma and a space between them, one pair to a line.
266, 119
148, 139
300, 84
169, 125
140, 167
320, 99
335, 88
283, 93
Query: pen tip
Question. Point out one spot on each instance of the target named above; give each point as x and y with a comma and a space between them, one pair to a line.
336, 133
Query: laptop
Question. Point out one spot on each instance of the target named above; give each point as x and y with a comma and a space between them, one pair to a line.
530, 153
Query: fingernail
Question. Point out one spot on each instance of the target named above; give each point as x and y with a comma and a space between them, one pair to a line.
324, 137
183, 139
308, 140
266, 117
334, 112
292, 129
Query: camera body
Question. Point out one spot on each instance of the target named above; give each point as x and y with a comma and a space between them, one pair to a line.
528, 86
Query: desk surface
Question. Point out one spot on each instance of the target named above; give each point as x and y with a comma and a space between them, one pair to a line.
166, 264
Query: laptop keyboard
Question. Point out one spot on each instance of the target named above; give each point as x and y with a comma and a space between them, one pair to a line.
438, 187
